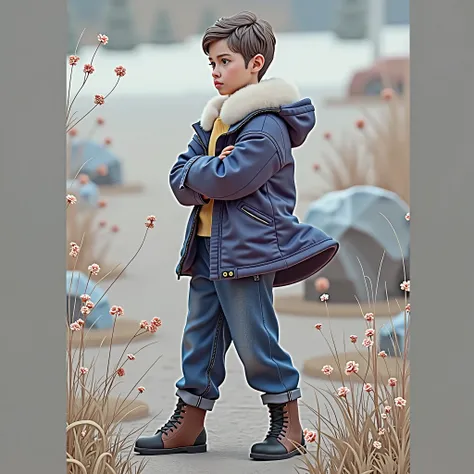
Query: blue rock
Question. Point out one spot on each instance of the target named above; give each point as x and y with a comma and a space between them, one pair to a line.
355, 217
99, 318
97, 154
392, 335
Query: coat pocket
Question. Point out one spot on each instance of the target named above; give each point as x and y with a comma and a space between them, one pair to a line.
255, 214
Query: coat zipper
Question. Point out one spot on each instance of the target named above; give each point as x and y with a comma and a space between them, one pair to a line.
246, 211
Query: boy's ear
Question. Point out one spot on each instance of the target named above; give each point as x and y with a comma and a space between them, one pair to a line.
257, 63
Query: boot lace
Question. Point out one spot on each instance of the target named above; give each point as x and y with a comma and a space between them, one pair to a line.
175, 418
277, 420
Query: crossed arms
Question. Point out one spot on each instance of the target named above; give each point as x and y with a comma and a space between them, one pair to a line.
255, 158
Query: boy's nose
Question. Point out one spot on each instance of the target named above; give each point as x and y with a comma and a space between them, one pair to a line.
215, 74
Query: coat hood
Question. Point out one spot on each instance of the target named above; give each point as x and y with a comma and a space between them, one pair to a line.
271, 95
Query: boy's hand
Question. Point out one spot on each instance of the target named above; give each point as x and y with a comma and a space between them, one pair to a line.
226, 151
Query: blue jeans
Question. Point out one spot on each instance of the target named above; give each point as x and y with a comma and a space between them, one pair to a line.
239, 311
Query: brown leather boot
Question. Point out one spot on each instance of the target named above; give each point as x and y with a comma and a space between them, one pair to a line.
183, 433
285, 426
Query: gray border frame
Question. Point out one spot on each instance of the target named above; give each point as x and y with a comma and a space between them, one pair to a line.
32, 339
33, 44
442, 168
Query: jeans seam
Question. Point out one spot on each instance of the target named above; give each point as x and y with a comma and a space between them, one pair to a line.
268, 336
213, 356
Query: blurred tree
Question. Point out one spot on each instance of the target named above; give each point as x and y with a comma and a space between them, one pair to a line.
351, 19
208, 18
119, 26
312, 15
162, 32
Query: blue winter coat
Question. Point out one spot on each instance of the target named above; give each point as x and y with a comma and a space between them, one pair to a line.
254, 230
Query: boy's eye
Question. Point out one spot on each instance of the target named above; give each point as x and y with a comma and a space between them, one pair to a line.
225, 61
212, 65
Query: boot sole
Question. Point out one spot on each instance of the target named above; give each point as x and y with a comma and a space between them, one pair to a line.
274, 457
182, 450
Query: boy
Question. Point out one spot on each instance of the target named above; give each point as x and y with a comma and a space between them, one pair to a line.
241, 239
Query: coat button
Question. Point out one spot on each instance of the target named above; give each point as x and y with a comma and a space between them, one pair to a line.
231, 273
224, 274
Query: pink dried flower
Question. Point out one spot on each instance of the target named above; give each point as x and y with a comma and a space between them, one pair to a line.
99, 99
121, 372
84, 370
321, 284
407, 216
360, 124
316, 166
342, 391
103, 39
392, 381
367, 343
73, 132
310, 436
89, 68
400, 402
388, 409
102, 224
131, 357
387, 94
377, 444
94, 269
80, 322
368, 387
405, 285
100, 121
156, 321
90, 304
318, 326
102, 203
352, 367
150, 222
85, 297
74, 249
85, 310
383, 354
408, 307
141, 389
353, 338
381, 431
327, 370
115, 228
108, 141
384, 416
73, 60
116, 310
324, 297
327, 135
369, 317
120, 71
83, 179
152, 328
370, 332
144, 324
75, 326
71, 199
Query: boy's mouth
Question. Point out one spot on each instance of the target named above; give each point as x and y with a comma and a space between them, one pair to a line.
218, 84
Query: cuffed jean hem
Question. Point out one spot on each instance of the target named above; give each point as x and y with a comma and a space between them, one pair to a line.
281, 397
196, 401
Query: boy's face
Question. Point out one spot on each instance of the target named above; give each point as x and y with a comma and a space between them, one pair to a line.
228, 68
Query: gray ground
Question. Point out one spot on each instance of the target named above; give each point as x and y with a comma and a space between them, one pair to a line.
149, 133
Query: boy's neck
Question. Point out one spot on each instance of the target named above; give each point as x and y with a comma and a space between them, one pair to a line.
246, 85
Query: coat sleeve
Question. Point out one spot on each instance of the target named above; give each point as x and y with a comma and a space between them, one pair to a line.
186, 196
253, 161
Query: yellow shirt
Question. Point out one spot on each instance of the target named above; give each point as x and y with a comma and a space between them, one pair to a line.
205, 216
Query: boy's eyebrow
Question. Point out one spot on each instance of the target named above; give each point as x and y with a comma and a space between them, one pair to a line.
221, 55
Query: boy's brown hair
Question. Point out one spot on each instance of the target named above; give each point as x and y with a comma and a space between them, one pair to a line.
246, 35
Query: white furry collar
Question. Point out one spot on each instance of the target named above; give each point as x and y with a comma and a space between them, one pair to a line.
232, 109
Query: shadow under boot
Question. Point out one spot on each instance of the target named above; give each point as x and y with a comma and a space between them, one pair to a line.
285, 428
183, 433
